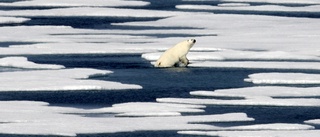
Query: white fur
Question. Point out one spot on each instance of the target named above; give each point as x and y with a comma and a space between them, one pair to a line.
176, 54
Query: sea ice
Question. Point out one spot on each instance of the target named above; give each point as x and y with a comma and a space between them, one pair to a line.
263, 8
12, 20
75, 3
269, 91
259, 65
53, 80
269, 1
150, 109
90, 12
284, 78
22, 62
263, 133
313, 121
249, 32
249, 101
37, 118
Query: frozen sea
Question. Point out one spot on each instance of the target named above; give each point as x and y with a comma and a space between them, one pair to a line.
85, 68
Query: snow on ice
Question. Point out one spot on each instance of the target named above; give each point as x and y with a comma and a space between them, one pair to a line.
267, 133
75, 3
22, 62
12, 20
53, 80
268, 91
37, 118
284, 78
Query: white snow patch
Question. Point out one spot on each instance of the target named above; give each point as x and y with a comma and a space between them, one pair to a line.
264, 133
12, 20
269, 1
249, 32
233, 4
150, 109
53, 80
37, 118
273, 126
313, 121
252, 101
75, 3
284, 78
258, 65
269, 91
262, 8
278, 1
22, 62
68, 48
89, 11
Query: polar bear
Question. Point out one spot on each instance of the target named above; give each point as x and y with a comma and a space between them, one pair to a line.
176, 54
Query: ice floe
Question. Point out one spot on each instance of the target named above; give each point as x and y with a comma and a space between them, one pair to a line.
269, 91
259, 65
150, 109
22, 62
284, 78
37, 118
53, 80
267, 133
270, 1
12, 20
249, 32
89, 12
313, 121
264, 8
76, 3
254, 101
274, 126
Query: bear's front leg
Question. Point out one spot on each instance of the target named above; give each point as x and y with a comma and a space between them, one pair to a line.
184, 60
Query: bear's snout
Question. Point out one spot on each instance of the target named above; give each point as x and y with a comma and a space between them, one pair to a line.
193, 40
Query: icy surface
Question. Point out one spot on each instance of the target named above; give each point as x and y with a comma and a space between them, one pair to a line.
22, 62
313, 121
284, 78
89, 11
53, 80
264, 8
254, 96
259, 65
254, 101
276, 126
150, 109
271, 1
9, 20
37, 118
76, 3
242, 33
269, 91
298, 133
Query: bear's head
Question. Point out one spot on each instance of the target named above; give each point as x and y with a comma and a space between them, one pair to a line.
191, 42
